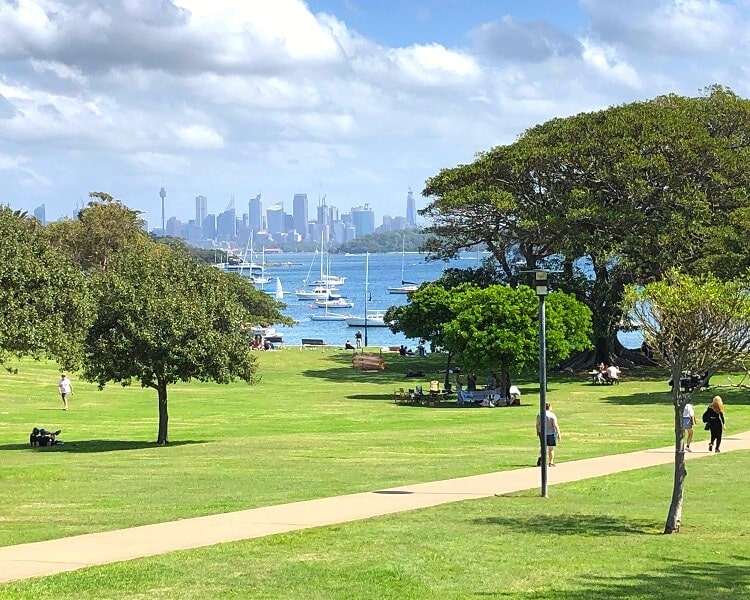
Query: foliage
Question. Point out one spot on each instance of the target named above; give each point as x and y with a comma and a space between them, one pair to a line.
631, 190
44, 303
498, 326
697, 324
412, 240
693, 324
162, 318
102, 228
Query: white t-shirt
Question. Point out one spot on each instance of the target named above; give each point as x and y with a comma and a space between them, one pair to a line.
551, 422
64, 386
613, 372
688, 412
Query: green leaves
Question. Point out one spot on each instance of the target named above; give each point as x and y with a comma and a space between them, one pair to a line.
44, 304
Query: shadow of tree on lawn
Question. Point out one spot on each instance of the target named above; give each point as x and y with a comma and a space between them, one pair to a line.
574, 524
730, 395
88, 446
676, 581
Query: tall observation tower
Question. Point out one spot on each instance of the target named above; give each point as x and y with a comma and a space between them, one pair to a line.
162, 195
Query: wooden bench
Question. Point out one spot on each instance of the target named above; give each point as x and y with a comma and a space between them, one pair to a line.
312, 342
368, 362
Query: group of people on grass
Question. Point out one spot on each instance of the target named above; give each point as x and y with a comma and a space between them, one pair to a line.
260, 343
608, 374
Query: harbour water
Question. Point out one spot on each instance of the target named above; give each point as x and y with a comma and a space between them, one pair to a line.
384, 271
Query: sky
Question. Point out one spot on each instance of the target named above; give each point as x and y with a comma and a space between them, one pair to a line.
354, 100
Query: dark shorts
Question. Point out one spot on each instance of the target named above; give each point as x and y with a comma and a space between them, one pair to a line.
551, 439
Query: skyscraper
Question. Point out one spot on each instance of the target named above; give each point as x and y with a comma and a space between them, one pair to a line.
162, 195
200, 209
275, 218
299, 214
40, 212
363, 220
411, 210
255, 214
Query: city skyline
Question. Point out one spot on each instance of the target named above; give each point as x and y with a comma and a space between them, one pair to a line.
355, 101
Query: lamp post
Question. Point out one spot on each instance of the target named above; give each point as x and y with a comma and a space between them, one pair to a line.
540, 276
540, 281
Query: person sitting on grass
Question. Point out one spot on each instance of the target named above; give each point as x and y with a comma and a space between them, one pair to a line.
348, 345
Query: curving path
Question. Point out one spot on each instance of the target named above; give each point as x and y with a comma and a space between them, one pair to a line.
77, 552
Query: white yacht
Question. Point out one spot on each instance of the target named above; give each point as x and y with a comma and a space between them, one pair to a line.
373, 318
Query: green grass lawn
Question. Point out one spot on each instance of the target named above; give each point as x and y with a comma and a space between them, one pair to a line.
314, 427
592, 540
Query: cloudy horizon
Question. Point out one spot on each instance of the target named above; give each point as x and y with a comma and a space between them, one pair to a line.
354, 100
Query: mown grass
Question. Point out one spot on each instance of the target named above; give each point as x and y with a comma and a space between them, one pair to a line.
312, 427
592, 540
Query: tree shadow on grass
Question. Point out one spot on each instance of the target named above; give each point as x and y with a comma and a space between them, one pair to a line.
89, 446
730, 395
574, 525
676, 580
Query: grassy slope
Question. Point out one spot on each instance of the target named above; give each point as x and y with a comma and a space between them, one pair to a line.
312, 427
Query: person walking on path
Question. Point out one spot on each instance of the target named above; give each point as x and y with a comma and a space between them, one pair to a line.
714, 420
358, 339
65, 387
688, 420
552, 431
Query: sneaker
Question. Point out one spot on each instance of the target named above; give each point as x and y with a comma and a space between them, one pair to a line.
718, 450
552, 465
687, 448
710, 447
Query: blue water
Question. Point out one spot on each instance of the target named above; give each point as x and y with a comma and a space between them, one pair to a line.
384, 271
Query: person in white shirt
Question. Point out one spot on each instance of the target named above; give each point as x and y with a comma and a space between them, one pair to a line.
688, 420
65, 387
613, 373
552, 432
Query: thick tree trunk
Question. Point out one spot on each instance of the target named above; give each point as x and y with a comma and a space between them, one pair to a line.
674, 517
163, 438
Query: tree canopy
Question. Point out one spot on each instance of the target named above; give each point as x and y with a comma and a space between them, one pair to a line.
629, 192
44, 304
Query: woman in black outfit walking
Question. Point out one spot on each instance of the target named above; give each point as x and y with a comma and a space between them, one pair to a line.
714, 419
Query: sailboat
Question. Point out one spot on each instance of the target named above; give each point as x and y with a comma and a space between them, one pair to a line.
406, 287
321, 291
330, 302
372, 317
279, 293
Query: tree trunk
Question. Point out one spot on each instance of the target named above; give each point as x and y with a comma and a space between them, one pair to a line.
674, 517
162, 438
447, 372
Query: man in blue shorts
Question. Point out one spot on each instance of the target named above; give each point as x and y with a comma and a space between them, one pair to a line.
552, 431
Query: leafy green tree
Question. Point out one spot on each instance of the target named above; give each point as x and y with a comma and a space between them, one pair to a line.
44, 303
412, 240
101, 229
629, 191
162, 317
695, 324
498, 328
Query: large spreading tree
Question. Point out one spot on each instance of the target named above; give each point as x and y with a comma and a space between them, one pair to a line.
44, 302
694, 324
162, 317
611, 197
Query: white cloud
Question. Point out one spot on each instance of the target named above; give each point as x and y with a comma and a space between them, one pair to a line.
199, 137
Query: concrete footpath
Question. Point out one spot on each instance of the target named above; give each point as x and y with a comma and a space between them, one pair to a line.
68, 554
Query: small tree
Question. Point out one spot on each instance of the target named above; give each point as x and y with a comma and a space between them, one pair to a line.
162, 318
699, 325
498, 325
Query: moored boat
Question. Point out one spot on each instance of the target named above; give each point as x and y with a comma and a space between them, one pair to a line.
373, 318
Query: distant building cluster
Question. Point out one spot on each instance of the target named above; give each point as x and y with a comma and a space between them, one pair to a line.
273, 225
